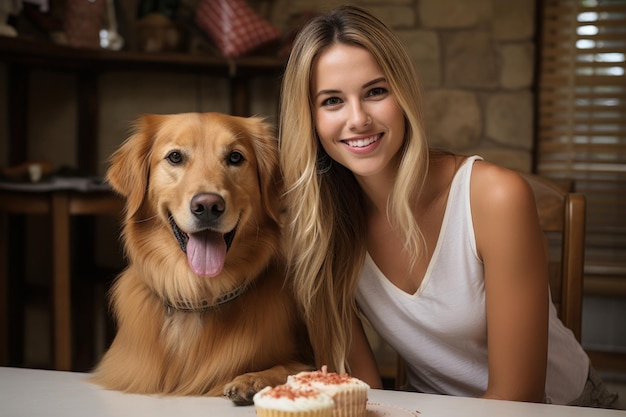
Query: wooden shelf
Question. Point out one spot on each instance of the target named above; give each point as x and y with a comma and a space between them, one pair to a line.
22, 55
48, 55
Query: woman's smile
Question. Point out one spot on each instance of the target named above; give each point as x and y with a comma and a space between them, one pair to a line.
363, 144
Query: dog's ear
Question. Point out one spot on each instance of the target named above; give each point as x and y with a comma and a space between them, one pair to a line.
130, 163
270, 180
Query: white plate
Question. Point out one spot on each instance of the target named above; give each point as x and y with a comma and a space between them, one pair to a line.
386, 410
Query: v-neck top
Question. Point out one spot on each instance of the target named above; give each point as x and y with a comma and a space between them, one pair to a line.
441, 329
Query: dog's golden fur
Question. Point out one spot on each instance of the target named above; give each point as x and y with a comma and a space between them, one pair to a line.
235, 348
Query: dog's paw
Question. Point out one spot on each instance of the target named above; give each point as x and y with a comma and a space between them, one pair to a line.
240, 394
241, 389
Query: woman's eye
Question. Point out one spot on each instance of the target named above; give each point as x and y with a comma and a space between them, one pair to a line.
235, 158
174, 157
331, 101
378, 91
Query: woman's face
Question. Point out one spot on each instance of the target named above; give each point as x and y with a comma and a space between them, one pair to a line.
357, 119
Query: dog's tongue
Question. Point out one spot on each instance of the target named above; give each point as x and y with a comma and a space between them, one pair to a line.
206, 252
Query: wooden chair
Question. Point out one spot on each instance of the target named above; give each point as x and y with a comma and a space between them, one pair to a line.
562, 214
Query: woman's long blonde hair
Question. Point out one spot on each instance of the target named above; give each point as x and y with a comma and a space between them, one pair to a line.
325, 228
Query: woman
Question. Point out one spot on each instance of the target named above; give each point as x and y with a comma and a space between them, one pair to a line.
443, 254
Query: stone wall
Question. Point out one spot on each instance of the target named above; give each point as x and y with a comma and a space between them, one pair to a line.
475, 60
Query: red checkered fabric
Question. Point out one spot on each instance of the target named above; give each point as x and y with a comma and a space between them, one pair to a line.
234, 26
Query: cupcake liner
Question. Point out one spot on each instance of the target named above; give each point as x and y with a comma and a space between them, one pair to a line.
350, 403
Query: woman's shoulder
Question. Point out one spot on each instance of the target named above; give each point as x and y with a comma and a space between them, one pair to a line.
502, 205
497, 190
490, 184
496, 181
485, 173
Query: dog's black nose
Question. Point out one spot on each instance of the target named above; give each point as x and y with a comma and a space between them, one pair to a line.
207, 206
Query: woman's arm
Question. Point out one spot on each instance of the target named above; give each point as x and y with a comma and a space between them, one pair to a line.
513, 249
361, 358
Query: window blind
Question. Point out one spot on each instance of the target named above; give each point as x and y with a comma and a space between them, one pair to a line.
581, 137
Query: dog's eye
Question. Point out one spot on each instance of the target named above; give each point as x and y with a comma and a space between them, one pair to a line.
235, 158
174, 157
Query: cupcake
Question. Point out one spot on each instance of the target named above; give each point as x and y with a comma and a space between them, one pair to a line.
292, 401
349, 394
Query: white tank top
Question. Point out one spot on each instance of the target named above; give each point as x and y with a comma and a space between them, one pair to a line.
441, 330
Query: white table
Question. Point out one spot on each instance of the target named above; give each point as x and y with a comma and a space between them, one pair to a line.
32, 393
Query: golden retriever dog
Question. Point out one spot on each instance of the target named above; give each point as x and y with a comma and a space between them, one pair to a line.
203, 307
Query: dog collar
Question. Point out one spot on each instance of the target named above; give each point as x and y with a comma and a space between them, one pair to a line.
204, 305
